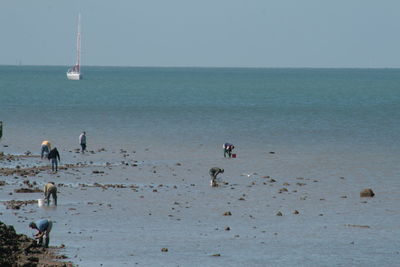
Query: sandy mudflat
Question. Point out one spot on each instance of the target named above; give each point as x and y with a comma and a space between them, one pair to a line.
139, 207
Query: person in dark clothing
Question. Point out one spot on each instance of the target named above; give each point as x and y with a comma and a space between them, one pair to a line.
82, 141
213, 173
53, 156
228, 149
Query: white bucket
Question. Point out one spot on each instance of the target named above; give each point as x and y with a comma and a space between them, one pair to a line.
40, 202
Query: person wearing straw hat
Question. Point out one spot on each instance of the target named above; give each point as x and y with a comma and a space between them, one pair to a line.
43, 227
50, 189
214, 171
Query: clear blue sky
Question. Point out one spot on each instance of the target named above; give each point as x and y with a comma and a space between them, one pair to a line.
216, 33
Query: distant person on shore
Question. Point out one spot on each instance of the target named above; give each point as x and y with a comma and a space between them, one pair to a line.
53, 156
50, 189
43, 227
213, 173
228, 149
46, 146
82, 141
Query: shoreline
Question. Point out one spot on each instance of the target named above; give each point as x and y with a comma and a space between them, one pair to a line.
164, 212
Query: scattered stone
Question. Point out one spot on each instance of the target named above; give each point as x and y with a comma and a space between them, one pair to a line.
16, 204
367, 193
358, 226
282, 190
28, 190
20, 250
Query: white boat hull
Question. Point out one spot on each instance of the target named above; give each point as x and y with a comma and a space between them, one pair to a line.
74, 76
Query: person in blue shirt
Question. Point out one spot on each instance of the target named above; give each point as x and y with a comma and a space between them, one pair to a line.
43, 227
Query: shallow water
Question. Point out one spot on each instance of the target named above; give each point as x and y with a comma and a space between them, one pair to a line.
321, 124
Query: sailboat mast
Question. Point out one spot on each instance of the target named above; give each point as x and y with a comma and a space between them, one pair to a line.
78, 45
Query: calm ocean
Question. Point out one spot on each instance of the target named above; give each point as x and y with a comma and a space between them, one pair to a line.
292, 108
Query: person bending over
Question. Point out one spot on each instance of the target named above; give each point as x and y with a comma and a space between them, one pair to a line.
43, 227
213, 173
228, 149
50, 189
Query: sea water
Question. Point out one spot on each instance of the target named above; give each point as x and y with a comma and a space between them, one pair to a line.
185, 106
344, 116
321, 124
255, 108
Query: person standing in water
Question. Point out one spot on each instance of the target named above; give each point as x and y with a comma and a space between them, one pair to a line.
43, 227
53, 156
50, 189
228, 149
82, 141
46, 146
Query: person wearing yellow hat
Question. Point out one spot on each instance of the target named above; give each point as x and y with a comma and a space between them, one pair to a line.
46, 146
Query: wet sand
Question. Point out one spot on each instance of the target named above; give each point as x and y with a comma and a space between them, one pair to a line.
120, 206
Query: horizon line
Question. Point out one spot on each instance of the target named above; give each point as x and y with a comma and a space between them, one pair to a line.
194, 67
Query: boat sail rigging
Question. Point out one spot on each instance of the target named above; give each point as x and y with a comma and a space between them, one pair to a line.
74, 73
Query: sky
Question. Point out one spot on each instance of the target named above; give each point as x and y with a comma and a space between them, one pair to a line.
203, 33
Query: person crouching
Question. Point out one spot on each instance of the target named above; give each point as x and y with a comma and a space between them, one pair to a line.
213, 173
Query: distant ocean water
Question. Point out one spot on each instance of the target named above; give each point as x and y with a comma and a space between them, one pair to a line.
298, 108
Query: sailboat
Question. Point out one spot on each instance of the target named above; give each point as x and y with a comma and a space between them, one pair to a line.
74, 73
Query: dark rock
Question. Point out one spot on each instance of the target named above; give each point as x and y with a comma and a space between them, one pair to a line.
367, 193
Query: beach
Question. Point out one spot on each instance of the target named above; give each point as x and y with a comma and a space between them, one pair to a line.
141, 195
135, 208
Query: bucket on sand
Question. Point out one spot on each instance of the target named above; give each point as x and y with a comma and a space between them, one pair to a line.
40, 202
234, 156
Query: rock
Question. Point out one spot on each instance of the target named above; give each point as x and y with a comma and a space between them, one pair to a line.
295, 212
227, 213
216, 255
28, 190
164, 250
279, 214
282, 190
367, 193
227, 228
